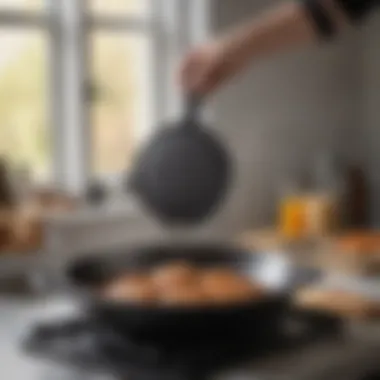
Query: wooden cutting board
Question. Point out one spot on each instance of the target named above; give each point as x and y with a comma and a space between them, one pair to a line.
342, 303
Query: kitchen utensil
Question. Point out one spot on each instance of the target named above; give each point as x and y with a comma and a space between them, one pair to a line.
87, 275
183, 173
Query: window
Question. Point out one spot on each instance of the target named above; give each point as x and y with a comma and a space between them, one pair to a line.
83, 82
23, 5
119, 101
121, 50
24, 132
24, 87
120, 67
119, 7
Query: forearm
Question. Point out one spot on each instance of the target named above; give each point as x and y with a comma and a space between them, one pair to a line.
285, 27
281, 28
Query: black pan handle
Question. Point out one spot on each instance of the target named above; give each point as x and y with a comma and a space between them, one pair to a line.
193, 107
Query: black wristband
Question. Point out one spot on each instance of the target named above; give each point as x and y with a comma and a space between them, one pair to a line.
320, 18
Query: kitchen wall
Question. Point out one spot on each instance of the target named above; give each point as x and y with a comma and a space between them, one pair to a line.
282, 112
370, 127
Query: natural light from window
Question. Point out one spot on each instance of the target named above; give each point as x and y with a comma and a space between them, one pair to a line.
24, 131
22, 5
119, 7
119, 89
119, 99
76, 99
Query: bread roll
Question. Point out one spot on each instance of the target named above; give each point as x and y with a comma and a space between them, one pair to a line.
184, 296
172, 275
131, 289
224, 286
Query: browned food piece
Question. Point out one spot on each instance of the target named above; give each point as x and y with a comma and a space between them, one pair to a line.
188, 295
361, 242
131, 288
173, 275
338, 302
225, 286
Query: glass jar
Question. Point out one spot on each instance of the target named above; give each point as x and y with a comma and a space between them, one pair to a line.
293, 223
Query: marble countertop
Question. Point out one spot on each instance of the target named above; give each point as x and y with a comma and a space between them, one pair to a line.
17, 315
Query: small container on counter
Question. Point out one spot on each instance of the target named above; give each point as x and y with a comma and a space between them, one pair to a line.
322, 215
308, 216
292, 217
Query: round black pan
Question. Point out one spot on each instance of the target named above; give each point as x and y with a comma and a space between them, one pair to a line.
183, 174
87, 275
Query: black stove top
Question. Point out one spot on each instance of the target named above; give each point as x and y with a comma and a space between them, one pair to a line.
87, 344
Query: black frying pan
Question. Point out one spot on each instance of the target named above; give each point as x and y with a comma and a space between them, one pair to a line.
87, 275
183, 173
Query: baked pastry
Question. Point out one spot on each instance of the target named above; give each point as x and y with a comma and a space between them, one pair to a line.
184, 296
131, 288
173, 275
183, 285
225, 286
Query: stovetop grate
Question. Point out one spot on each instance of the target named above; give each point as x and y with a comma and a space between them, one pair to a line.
86, 344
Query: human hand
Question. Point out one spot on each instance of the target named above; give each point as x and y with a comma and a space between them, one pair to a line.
206, 67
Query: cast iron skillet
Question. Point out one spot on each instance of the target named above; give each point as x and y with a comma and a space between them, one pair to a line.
85, 276
183, 173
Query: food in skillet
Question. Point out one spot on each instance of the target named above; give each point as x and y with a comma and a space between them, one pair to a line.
133, 288
184, 296
175, 274
224, 286
183, 285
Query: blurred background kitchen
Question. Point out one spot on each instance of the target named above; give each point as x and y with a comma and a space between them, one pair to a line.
83, 83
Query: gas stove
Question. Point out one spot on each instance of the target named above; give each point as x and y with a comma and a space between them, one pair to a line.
85, 345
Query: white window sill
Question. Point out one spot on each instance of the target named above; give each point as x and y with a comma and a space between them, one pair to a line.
121, 209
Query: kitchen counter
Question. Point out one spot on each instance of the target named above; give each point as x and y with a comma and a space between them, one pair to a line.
261, 239
16, 315
308, 252
271, 240
335, 360
322, 362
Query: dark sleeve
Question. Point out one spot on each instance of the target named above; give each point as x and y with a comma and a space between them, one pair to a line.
356, 9
322, 21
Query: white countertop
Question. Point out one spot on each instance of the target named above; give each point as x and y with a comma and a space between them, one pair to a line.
16, 317
112, 210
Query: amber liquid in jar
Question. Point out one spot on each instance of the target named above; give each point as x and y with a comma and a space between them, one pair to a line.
293, 217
